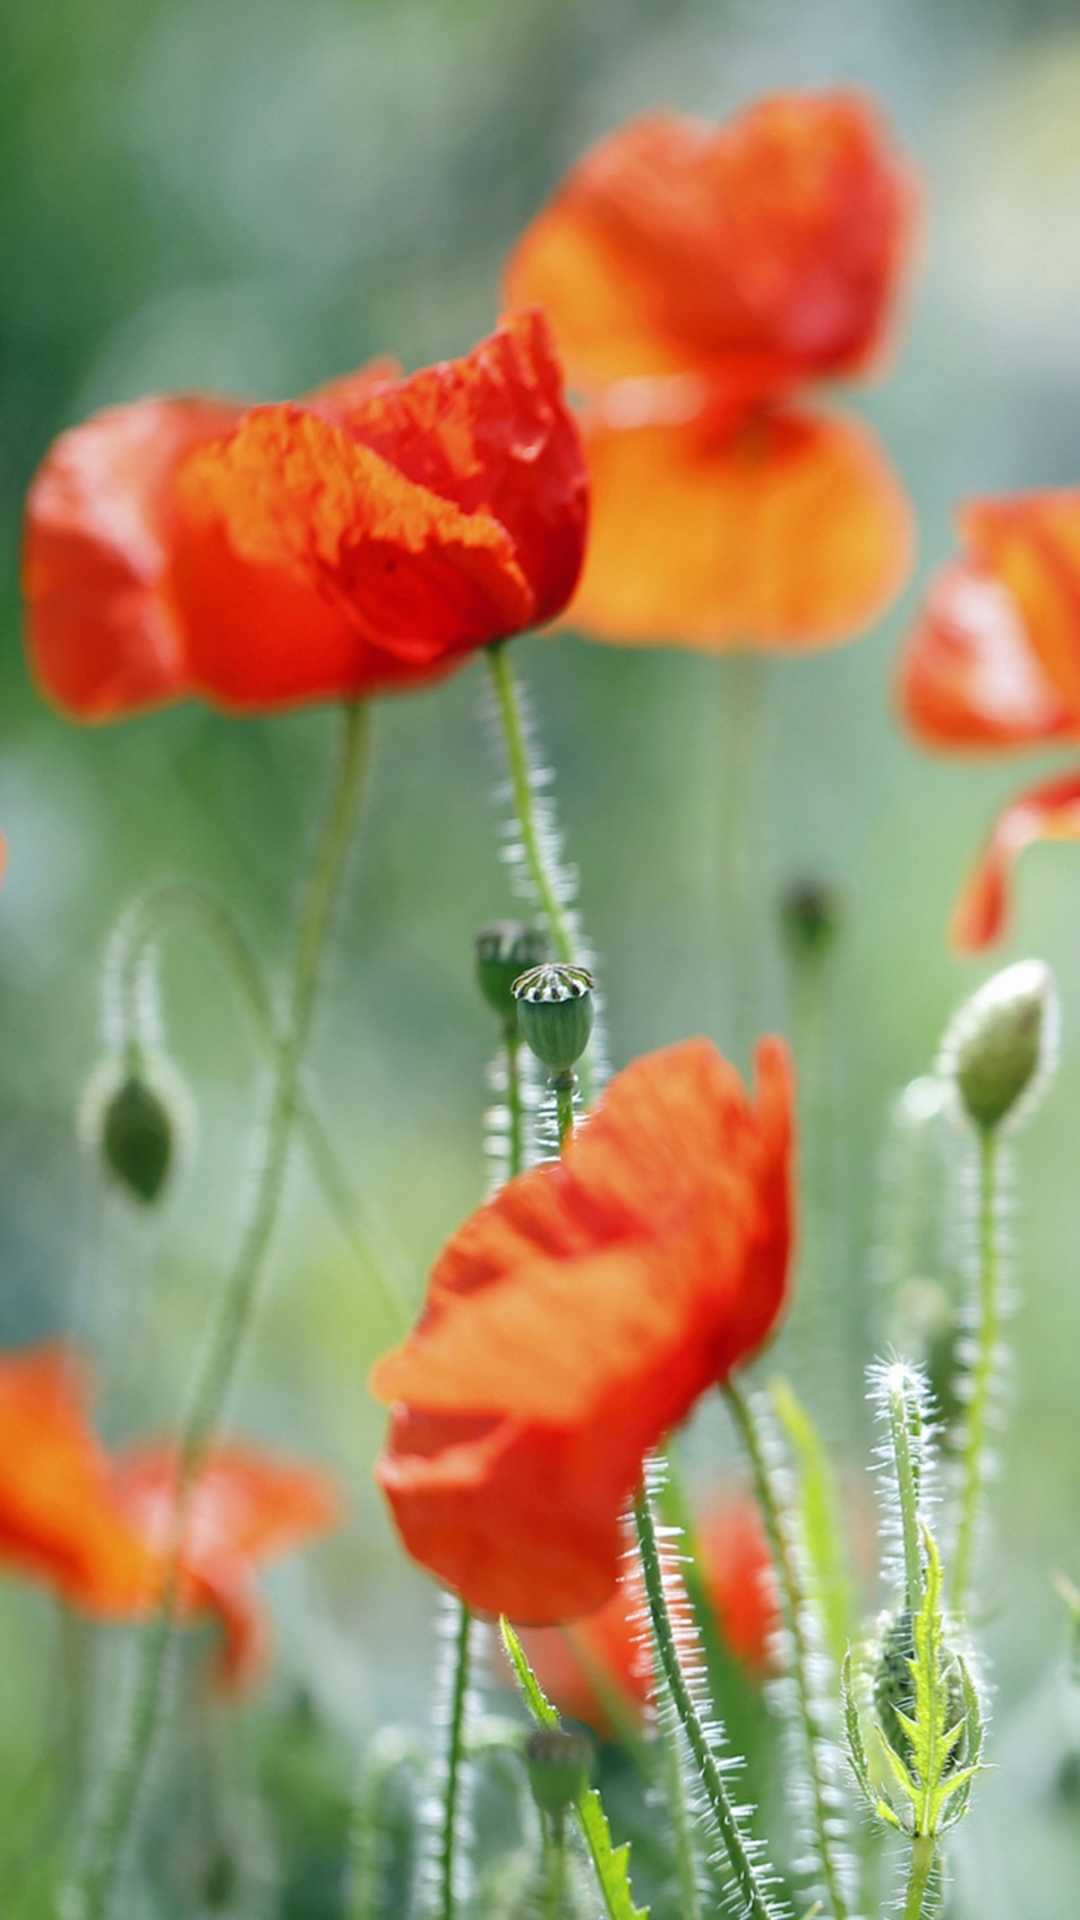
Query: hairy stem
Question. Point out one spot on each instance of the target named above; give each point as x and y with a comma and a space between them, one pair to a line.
747, 1874
908, 1491
793, 1604
564, 1108
455, 1731
973, 1464
90, 1896
923, 1849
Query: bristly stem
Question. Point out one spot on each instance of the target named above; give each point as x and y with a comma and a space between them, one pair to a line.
973, 1463
455, 1732
564, 1108
908, 1490
90, 1895
923, 1849
747, 1873
554, 1865
539, 859
793, 1604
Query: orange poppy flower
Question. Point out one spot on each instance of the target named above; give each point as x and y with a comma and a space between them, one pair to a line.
696, 280
579, 1666
576, 1318
364, 539
994, 663
95, 1527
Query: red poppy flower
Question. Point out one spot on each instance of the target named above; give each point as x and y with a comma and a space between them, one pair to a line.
582, 1666
95, 1527
366, 538
697, 279
576, 1318
994, 663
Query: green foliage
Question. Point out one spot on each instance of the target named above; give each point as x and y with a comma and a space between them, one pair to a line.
818, 1517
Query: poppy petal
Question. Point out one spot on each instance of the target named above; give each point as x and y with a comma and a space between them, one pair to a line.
101, 517
969, 676
790, 531
771, 246
1048, 812
1030, 544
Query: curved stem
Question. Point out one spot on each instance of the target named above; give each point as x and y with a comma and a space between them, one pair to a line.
793, 1603
454, 1753
923, 1849
90, 1896
745, 1870
973, 1464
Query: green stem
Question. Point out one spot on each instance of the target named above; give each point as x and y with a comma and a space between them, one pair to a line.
515, 1105
454, 1755
554, 1893
564, 1108
540, 863
923, 1849
747, 1874
682, 1831
793, 1604
909, 1497
137, 937
973, 1464
91, 1895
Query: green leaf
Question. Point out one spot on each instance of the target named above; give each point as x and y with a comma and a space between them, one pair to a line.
860, 1765
819, 1522
612, 1863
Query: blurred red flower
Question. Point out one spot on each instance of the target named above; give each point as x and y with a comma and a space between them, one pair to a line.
95, 1527
579, 1667
994, 663
697, 280
364, 539
576, 1318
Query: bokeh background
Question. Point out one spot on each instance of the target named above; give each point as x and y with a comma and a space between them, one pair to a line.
252, 196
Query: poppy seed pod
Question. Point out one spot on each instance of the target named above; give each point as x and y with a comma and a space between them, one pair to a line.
504, 950
555, 1013
558, 1763
1001, 1043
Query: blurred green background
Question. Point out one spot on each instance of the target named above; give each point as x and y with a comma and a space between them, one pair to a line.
253, 196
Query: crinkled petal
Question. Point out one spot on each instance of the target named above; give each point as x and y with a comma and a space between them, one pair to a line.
1047, 812
969, 675
1030, 544
103, 636
789, 532
771, 246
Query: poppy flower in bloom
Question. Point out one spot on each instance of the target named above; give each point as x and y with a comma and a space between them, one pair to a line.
363, 539
698, 280
576, 1318
94, 1526
580, 1667
994, 663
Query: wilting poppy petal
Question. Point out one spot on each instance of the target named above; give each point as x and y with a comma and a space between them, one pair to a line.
360, 541
1048, 812
969, 676
248, 1507
789, 532
59, 1521
576, 1318
767, 250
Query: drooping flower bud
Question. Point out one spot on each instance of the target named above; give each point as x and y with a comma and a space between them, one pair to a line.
555, 1013
504, 950
133, 1114
1001, 1043
810, 918
558, 1762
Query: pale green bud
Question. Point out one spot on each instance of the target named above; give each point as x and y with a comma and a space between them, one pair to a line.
558, 1763
1000, 1046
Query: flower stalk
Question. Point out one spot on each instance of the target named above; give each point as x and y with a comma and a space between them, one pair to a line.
974, 1459
90, 1894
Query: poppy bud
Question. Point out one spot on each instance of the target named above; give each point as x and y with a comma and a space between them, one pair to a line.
555, 1013
1001, 1043
810, 918
558, 1763
132, 1116
503, 952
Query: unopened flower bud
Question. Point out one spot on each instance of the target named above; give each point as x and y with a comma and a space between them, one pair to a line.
503, 952
810, 918
1001, 1043
132, 1116
558, 1763
555, 1012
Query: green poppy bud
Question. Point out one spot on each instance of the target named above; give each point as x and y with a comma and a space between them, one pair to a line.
503, 952
1000, 1044
894, 1683
810, 918
133, 1115
555, 1013
558, 1763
